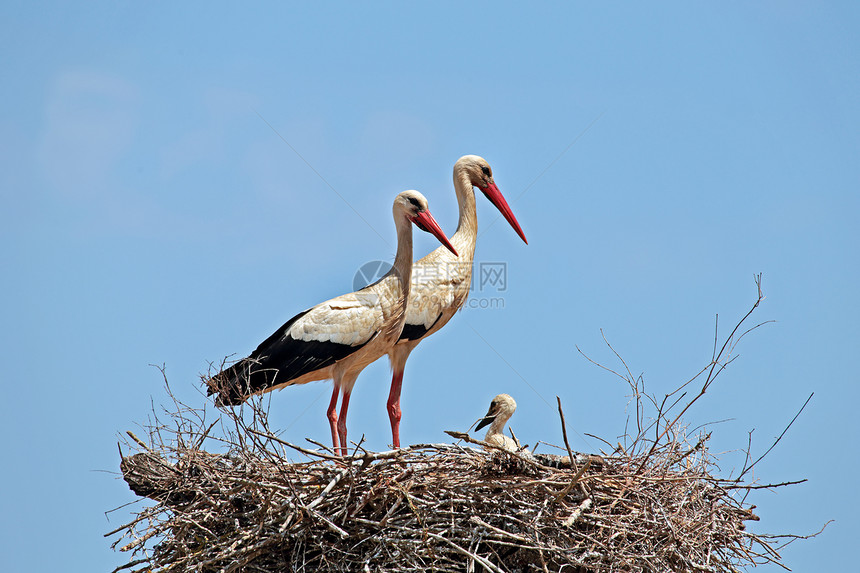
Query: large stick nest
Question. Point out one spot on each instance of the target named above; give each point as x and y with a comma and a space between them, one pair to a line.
651, 504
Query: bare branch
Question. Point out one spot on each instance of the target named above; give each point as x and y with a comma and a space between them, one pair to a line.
773, 445
564, 429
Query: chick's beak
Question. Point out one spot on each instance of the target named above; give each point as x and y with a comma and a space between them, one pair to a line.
485, 422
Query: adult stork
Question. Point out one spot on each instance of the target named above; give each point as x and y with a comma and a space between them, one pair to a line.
501, 409
338, 338
440, 282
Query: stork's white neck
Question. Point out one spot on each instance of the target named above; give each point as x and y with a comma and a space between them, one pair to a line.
467, 226
403, 259
468, 223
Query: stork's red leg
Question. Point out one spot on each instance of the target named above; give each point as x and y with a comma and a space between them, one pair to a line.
331, 413
393, 404
341, 423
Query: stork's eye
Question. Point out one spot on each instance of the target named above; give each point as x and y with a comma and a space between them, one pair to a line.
415, 202
486, 170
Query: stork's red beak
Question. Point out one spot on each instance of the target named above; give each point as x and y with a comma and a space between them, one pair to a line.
425, 221
495, 196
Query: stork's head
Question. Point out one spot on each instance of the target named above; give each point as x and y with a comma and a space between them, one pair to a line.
413, 205
480, 175
502, 407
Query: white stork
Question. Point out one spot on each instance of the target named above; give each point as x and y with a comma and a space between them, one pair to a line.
440, 282
338, 338
501, 409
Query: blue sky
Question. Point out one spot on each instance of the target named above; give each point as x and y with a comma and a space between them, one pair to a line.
657, 158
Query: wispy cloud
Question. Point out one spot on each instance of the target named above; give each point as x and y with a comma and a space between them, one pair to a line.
207, 140
89, 121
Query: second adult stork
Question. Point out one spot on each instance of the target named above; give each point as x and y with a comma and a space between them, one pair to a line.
440, 282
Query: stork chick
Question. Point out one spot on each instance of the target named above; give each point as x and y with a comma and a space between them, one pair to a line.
501, 409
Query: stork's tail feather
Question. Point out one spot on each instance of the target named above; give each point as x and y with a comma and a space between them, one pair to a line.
231, 385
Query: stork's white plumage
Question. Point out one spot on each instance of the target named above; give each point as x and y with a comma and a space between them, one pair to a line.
338, 338
501, 409
440, 282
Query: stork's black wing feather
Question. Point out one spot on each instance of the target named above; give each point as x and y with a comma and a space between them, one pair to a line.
277, 360
416, 331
